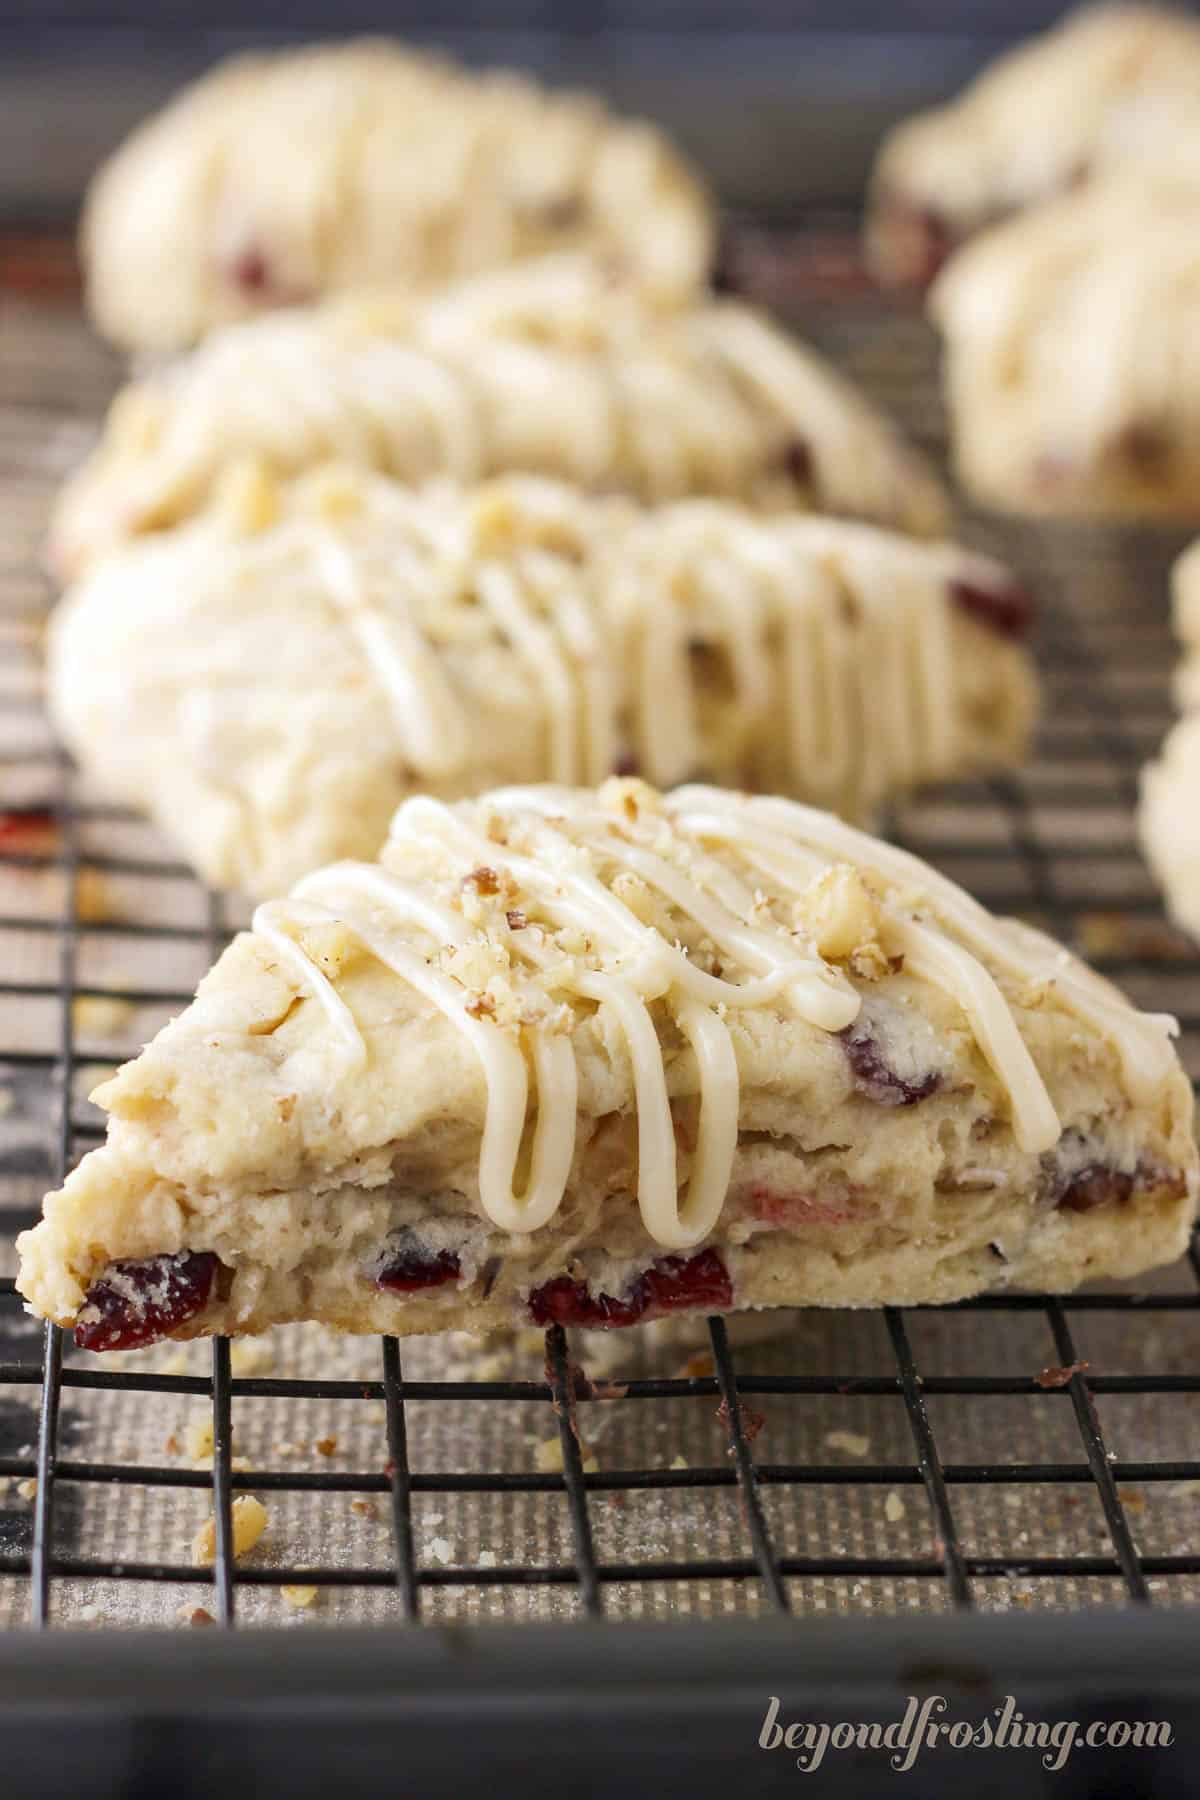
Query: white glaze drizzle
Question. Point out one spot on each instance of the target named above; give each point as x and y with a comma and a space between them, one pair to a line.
626, 966
862, 705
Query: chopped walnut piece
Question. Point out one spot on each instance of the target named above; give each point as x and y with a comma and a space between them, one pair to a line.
246, 498
249, 1523
483, 879
840, 915
516, 920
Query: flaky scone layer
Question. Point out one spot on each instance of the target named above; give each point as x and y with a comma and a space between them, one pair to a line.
1071, 363
270, 695
557, 368
1110, 85
731, 1053
281, 177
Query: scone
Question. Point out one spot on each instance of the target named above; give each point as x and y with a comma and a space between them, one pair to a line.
1169, 821
1169, 813
554, 369
279, 178
271, 694
590, 1057
1109, 86
1072, 353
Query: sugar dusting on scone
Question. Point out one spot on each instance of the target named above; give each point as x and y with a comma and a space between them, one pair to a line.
557, 368
278, 178
601, 1056
272, 681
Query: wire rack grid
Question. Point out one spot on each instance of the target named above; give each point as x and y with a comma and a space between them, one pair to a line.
1019, 1450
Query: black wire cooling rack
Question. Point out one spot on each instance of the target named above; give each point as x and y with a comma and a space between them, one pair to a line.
999, 1414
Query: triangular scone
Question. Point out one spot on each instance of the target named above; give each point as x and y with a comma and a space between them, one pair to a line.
1072, 378
555, 369
281, 177
593, 1056
270, 698
1110, 84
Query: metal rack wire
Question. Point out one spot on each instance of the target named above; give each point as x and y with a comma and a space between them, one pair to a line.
1053, 842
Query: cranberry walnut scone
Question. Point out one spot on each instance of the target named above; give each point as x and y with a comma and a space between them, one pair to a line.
553, 369
1169, 814
589, 1057
279, 178
271, 681
1110, 85
1071, 362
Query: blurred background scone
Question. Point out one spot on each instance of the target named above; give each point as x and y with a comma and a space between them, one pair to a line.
1109, 85
1072, 351
278, 178
270, 685
553, 368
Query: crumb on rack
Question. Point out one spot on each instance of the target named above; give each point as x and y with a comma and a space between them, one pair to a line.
853, 1443
298, 1597
487, 1559
252, 1356
325, 1446
548, 1456
194, 1615
28, 1488
249, 1523
100, 1015
441, 1549
364, 1507
894, 1508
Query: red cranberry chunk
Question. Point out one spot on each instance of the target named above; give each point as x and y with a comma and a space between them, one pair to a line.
1094, 1186
136, 1303
250, 271
672, 1285
1007, 610
874, 1075
798, 462
919, 240
409, 1265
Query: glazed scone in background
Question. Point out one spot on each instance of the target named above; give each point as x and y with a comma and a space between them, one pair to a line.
281, 177
553, 369
271, 681
589, 1057
1169, 815
1072, 352
1109, 85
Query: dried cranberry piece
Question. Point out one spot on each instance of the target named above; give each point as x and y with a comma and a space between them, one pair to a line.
919, 239
409, 1265
136, 1303
1094, 1186
874, 1075
1007, 610
798, 462
251, 272
668, 1286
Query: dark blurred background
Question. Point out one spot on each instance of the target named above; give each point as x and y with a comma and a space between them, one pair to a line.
781, 101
